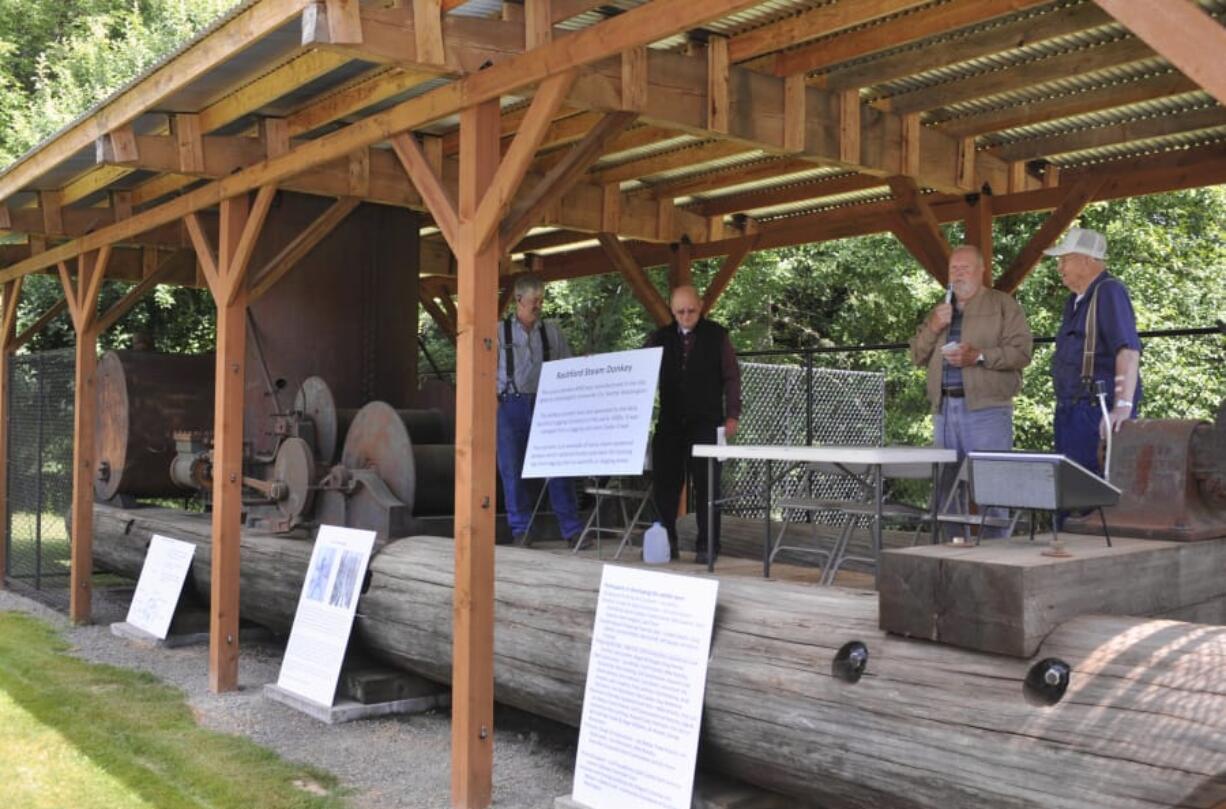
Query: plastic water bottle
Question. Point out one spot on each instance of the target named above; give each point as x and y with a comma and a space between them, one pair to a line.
655, 545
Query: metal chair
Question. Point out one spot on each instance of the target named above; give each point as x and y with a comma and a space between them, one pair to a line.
628, 497
963, 491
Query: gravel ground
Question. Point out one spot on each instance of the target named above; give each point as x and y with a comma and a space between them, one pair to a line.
388, 763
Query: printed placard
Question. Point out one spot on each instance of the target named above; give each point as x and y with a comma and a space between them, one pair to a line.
311, 667
593, 415
646, 677
160, 585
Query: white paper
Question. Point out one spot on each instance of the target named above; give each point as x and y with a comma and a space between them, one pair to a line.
593, 414
642, 705
322, 623
160, 585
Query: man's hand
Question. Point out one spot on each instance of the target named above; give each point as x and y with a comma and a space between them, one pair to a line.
1117, 417
962, 356
941, 316
730, 426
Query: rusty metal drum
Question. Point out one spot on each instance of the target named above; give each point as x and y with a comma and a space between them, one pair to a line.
143, 399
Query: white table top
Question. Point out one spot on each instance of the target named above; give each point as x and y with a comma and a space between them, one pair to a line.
827, 454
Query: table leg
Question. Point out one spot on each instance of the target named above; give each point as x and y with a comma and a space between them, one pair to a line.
766, 542
935, 535
710, 515
878, 497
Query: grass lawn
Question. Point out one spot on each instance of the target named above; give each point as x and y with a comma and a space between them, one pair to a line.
74, 734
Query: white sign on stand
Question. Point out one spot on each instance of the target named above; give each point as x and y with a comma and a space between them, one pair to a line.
322, 623
642, 706
160, 585
593, 414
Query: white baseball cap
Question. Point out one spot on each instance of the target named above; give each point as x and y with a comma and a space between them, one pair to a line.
1081, 240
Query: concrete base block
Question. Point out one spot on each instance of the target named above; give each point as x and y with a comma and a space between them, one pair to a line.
1005, 596
348, 710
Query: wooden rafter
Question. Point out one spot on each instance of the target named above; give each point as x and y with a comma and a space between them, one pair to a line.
1183, 33
639, 283
1074, 202
818, 22
444, 322
438, 198
979, 231
917, 228
1111, 134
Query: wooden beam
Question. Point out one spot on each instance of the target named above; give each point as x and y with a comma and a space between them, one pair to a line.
782, 195
634, 79
428, 29
732, 263
246, 27
1062, 106
445, 323
795, 115
356, 95
529, 207
1057, 222
849, 127
680, 270
639, 283
1040, 23
811, 24
1035, 71
516, 162
205, 255
472, 700
53, 219
299, 247
691, 154
979, 232
124, 305
8, 326
538, 23
718, 71
893, 33
344, 21
1183, 33
920, 230
1111, 134
190, 139
767, 168
83, 297
439, 200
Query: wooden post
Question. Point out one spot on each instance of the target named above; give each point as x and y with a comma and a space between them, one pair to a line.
226, 274
472, 689
8, 330
82, 305
979, 232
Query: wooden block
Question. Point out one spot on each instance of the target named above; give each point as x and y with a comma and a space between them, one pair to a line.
1005, 597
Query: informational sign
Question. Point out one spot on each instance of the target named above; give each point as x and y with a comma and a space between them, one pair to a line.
160, 585
322, 623
646, 676
593, 414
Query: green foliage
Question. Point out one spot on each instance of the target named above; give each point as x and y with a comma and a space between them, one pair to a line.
86, 736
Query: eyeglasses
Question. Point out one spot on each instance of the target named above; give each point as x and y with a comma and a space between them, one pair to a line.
685, 311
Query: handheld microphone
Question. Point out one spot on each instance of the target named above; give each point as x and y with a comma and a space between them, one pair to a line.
949, 293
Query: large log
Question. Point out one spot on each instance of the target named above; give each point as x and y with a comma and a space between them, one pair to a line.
1142, 725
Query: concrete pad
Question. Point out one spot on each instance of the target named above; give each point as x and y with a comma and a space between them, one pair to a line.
348, 710
1004, 596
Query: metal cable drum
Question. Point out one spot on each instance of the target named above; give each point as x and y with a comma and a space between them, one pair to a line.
420, 475
143, 399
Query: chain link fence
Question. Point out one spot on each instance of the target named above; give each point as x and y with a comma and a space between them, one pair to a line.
799, 405
40, 428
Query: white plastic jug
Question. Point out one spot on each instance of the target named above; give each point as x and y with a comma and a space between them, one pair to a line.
655, 545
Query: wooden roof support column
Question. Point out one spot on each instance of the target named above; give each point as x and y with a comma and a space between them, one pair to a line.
472, 671
1057, 221
918, 229
639, 283
732, 263
8, 329
82, 306
680, 269
979, 232
1182, 32
225, 270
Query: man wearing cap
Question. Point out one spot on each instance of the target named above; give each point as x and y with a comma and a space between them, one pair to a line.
1097, 347
974, 347
525, 342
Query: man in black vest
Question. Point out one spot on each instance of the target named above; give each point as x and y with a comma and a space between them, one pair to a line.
700, 391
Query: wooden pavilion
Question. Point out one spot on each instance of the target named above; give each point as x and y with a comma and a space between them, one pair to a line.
579, 137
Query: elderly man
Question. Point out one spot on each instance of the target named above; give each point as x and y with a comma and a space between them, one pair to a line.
974, 347
1097, 345
700, 391
525, 341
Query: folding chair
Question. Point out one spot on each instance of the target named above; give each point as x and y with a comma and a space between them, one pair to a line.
962, 490
627, 497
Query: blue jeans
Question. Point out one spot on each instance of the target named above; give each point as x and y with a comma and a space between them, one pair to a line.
986, 430
514, 424
1077, 426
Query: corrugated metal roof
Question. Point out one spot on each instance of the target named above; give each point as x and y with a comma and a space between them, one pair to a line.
650, 150
706, 167
1140, 148
820, 203
1156, 108
780, 181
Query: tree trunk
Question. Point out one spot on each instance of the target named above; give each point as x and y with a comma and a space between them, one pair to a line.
1143, 723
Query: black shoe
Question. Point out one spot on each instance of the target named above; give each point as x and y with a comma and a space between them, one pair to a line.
674, 554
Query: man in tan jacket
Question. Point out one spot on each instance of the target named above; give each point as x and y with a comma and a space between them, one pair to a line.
974, 347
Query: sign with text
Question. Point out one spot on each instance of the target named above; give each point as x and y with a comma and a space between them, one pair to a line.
593, 414
646, 676
322, 623
160, 585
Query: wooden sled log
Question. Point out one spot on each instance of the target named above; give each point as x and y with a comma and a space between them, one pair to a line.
1141, 726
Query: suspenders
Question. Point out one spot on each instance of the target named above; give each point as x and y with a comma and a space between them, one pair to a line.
1090, 344
509, 347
